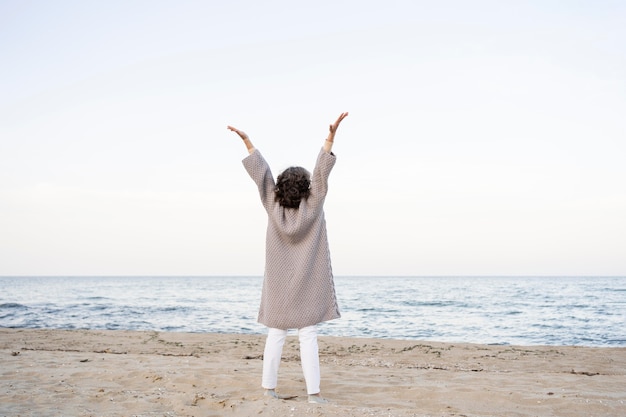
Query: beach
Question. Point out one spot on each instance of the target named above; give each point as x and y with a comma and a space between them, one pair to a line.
47, 372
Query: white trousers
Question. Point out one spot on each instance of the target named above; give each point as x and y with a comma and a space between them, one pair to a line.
309, 357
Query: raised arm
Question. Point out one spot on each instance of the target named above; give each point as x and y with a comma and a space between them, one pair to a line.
242, 135
328, 143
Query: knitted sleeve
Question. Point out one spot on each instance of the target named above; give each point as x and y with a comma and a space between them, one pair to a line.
260, 172
319, 179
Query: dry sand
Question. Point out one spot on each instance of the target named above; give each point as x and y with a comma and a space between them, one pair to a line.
122, 373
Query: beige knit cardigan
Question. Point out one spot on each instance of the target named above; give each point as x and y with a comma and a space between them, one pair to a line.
298, 286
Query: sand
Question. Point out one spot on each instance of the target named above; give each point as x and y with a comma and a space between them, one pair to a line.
123, 373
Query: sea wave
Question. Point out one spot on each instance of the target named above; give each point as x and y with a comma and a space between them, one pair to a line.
587, 311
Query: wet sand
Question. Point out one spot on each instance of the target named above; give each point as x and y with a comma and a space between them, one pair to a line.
126, 373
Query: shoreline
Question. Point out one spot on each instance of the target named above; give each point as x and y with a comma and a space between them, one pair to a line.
115, 373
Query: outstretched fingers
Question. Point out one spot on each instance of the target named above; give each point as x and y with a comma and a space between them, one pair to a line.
335, 125
241, 134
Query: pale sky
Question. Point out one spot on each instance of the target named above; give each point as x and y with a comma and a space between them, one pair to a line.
484, 137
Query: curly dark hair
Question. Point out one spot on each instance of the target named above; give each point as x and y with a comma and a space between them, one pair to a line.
292, 185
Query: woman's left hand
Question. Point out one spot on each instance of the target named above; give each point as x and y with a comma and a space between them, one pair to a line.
241, 134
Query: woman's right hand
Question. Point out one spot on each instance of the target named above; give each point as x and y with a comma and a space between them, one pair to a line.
334, 126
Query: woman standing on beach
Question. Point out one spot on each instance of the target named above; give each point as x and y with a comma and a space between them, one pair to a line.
298, 287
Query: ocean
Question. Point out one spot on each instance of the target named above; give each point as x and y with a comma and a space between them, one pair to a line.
582, 311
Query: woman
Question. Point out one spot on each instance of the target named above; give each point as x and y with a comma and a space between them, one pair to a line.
298, 287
